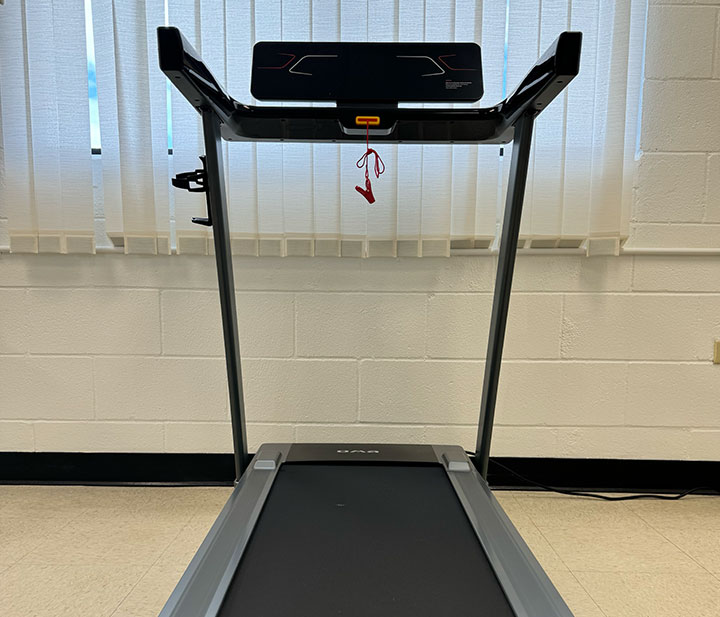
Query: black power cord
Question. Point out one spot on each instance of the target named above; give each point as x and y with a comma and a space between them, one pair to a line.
573, 493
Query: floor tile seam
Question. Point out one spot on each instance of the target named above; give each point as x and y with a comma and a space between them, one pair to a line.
38, 540
182, 529
139, 580
683, 551
552, 548
150, 567
587, 591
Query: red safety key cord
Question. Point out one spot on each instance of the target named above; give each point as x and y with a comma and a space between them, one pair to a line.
378, 168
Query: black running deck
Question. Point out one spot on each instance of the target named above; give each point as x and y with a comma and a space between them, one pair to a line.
358, 540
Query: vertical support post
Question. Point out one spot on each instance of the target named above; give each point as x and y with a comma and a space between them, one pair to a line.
503, 285
217, 208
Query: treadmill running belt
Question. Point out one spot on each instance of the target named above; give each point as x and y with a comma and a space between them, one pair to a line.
360, 540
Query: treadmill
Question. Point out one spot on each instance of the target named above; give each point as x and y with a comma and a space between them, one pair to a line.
352, 530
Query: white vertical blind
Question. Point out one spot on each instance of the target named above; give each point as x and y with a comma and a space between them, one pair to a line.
188, 15
47, 194
133, 124
300, 199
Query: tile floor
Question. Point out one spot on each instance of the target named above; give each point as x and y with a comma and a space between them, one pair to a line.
102, 552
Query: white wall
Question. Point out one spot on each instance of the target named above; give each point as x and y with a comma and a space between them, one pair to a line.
606, 357
677, 202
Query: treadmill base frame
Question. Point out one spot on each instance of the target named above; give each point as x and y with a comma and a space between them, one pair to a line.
202, 588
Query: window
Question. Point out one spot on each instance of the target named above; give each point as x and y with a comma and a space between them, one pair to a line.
300, 198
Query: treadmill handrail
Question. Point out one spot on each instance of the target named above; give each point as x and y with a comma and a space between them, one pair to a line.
546, 79
188, 73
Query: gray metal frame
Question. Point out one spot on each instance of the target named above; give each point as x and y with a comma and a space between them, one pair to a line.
202, 588
526, 585
217, 212
503, 286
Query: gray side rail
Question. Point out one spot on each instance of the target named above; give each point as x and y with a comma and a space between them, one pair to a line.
526, 586
202, 587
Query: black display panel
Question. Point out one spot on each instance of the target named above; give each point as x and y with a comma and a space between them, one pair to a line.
372, 72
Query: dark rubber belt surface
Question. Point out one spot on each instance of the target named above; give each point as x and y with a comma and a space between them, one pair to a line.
361, 541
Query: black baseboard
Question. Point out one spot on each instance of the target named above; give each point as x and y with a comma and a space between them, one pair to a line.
115, 468
217, 469
609, 475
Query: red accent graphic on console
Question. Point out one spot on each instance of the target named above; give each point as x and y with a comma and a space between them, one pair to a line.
440, 58
292, 57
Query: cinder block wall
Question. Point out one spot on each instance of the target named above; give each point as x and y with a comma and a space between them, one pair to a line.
606, 357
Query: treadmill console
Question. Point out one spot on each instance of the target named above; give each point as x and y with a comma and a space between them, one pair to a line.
371, 72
